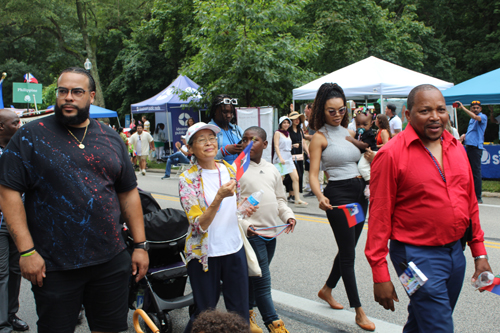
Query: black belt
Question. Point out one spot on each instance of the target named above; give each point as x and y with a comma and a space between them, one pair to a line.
449, 245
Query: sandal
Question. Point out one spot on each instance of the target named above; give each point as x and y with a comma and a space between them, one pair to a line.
301, 204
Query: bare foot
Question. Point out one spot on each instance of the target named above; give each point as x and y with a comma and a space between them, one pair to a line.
363, 321
327, 297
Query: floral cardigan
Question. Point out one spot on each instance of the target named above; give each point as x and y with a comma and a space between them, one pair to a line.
193, 203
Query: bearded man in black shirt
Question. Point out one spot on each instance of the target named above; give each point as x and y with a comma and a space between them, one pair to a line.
78, 181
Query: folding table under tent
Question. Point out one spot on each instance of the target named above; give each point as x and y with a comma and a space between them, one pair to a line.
169, 102
484, 88
371, 78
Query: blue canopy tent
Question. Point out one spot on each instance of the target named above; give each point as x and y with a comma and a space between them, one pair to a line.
99, 112
485, 88
169, 102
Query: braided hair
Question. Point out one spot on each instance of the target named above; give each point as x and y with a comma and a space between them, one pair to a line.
215, 104
326, 91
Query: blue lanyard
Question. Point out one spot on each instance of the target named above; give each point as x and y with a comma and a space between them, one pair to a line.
267, 239
436, 163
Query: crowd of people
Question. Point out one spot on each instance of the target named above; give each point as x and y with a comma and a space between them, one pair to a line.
68, 178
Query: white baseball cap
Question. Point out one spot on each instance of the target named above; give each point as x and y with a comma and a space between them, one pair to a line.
183, 137
282, 119
198, 127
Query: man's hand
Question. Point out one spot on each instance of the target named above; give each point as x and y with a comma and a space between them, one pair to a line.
291, 227
140, 263
178, 145
234, 149
33, 268
460, 105
250, 210
482, 265
385, 294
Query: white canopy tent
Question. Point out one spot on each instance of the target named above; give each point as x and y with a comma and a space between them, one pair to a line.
371, 78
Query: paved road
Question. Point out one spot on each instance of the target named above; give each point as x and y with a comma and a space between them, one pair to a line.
303, 261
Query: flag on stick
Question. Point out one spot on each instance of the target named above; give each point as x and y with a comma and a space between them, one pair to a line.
29, 78
243, 161
353, 213
494, 287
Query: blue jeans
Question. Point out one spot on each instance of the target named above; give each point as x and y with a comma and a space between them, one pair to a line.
431, 306
175, 158
260, 287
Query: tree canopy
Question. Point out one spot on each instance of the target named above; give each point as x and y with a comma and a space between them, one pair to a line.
255, 50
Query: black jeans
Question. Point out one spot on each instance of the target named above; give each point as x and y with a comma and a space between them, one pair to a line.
474, 154
10, 279
344, 192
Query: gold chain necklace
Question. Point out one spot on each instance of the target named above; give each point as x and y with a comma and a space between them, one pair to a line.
81, 145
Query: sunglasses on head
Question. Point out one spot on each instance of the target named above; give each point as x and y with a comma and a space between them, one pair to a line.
476, 102
228, 101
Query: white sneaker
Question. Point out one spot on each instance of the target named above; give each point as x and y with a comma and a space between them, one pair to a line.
143, 172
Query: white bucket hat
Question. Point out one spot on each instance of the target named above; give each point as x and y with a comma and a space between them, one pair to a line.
198, 127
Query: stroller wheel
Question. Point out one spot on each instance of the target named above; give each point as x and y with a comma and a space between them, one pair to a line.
156, 321
165, 326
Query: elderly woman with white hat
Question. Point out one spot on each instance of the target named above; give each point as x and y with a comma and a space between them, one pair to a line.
209, 194
283, 159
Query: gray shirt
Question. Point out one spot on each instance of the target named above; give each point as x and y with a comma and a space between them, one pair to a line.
340, 158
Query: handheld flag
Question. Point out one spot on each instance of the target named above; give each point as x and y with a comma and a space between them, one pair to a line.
494, 287
353, 213
29, 78
243, 161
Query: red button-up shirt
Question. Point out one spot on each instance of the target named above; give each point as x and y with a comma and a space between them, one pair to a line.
411, 203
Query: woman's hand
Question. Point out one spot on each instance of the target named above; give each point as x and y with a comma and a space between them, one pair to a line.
296, 145
234, 149
369, 155
178, 145
227, 189
282, 161
324, 203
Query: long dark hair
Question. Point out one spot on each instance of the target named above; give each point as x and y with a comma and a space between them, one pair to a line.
383, 122
326, 91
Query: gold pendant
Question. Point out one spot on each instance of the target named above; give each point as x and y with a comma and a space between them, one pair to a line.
81, 146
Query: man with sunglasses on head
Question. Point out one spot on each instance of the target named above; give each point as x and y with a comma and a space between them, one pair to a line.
222, 112
473, 141
78, 185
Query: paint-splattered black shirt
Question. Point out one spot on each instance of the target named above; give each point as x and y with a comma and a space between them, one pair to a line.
71, 198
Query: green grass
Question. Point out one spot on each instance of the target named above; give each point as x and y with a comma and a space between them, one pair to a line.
491, 185
154, 165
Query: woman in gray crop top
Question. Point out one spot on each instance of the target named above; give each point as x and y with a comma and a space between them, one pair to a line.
345, 186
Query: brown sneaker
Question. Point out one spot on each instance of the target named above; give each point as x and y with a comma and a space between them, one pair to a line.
277, 326
254, 328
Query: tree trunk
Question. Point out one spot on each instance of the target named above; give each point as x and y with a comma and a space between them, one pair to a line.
99, 97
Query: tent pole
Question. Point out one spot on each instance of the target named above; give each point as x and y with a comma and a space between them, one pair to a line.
382, 110
168, 133
199, 115
293, 102
118, 119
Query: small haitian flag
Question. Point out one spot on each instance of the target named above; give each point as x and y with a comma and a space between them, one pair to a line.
243, 161
353, 213
494, 287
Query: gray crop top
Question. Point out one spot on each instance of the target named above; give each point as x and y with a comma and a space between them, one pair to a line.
340, 158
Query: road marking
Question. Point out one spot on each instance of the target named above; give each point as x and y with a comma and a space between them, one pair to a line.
486, 205
312, 218
323, 310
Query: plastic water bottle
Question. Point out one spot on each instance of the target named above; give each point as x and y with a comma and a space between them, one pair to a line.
483, 280
140, 298
252, 200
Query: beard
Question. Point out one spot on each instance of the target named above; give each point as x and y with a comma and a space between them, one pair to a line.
79, 118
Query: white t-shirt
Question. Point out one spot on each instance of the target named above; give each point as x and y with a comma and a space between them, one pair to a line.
224, 235
395, 124
141, 145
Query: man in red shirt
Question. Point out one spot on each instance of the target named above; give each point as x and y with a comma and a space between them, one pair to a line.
423, 200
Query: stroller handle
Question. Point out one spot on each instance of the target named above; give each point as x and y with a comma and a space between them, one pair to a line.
147, 321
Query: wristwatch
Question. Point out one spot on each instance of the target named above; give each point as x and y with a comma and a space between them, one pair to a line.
484, 256
142, 245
